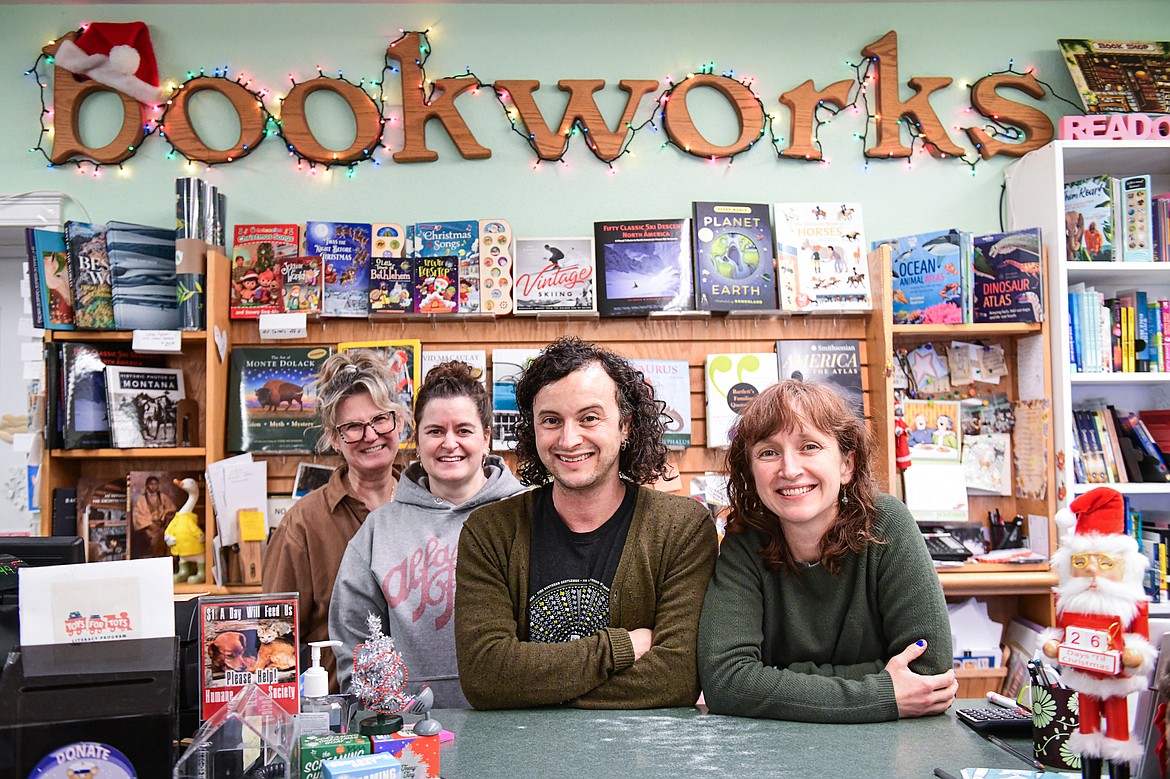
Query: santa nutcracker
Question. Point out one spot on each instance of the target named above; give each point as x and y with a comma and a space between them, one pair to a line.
1102, 636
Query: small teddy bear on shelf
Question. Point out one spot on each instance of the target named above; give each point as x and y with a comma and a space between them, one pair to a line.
185, 538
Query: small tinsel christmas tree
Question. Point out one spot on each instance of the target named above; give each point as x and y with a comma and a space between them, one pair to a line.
379, 675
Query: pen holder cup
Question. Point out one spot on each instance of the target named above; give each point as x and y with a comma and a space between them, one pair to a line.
1054, 716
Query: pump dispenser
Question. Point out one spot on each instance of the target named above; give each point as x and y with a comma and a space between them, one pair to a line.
319, 712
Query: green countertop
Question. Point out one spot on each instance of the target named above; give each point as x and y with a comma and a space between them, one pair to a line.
554, 743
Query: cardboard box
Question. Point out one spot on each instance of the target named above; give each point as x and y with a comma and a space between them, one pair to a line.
419, 755
383, 766
321, 748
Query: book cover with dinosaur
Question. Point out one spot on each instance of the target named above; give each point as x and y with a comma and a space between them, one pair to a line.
1008, 286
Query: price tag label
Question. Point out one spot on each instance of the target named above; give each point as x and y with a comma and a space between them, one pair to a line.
157, 341
278, 326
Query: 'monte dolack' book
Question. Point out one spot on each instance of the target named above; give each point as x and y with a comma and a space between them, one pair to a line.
93, 301
643, 267
823, 245
390, 280
831, 361
1088, 220
554, 275
671, 380
927, 277
143, 406
735, 265
249, 639
256, 254
1007, 283
271, 402
344, 249
731, 381
56, 287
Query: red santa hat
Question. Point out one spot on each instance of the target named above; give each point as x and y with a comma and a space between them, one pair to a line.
117, 54
1095, 522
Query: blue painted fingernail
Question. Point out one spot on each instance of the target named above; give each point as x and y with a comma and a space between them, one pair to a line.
921, 642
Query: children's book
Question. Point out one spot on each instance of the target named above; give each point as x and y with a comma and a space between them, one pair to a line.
507, 367
55, 287
344, 249
405, 358
85, 410
142, 276
496, 262
1008, 286
256, 254
93, 300
447, 266
101, 511
436, 284
554, 275
1119, 76
152, 499
300, 282
821, 250
926, 277
249, 639
390, 278
272, 401
671, 381
643, 267
731, 381
734, 259
143, 406
1088, 219
475, 358
836, 362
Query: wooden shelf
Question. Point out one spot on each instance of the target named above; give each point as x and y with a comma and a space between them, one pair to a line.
111, 454
120, 336
966, 331
1119, 377
998, 579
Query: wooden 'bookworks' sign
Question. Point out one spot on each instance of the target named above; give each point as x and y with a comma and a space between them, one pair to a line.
182, 134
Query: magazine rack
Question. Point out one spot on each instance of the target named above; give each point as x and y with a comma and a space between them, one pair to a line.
251, 732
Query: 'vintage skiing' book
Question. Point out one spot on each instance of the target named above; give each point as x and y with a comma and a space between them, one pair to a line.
643, 267
143, 406
344, 249
831, 361
554, 275
730, 383
1007, 283
734, 259
671, 380
820, 250
256, 253
93, 300
927, 277
271, 402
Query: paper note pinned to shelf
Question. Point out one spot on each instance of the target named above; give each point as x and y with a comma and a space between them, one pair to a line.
279, 326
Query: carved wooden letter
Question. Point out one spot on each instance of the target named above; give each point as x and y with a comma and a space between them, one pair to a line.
683, 132
416, 111
296, 127
69, 92
890, 109
802, 104
182, 134
606, 143
1035, 123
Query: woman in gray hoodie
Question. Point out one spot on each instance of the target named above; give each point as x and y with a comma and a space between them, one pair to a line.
401, 564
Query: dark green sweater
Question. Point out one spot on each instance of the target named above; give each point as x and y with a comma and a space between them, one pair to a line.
812, 647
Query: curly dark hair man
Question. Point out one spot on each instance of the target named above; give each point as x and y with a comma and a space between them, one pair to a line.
643, 456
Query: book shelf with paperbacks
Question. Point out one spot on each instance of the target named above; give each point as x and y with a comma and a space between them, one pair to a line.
1023, 589
1035, 196
205, 382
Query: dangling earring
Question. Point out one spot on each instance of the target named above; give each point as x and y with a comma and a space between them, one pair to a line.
625, 444
844, 496
483, 462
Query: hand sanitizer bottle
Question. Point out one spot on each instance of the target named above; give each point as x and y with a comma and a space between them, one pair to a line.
319, 712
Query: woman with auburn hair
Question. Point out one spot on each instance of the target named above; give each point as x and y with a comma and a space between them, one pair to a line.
824, 605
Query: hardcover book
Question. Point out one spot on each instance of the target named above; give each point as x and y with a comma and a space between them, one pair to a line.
32, 277
101, 507
55, 286
475, 358
300, 282
1007, 283
507, 367
93, 300
448, 254
671, 381
927, 277
405, 358
436, 284
152, 498
1119, 76
730, 383
554, 275
836, 362
734, 260
249, 639
643, 267
820, 248
272, 405
256, 253
344, 249
1088, 219
390, 278
143, 406
142, 276
85, 410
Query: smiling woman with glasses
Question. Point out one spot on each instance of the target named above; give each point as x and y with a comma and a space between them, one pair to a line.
362, 421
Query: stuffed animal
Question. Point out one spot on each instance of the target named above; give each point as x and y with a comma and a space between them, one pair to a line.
1102, 637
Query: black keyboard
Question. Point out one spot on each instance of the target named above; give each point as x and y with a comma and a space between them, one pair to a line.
998, 720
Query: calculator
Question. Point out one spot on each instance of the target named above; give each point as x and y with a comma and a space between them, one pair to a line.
1001, 721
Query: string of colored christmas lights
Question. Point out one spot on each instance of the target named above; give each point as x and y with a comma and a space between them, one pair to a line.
708, 69
219, 73
366, 153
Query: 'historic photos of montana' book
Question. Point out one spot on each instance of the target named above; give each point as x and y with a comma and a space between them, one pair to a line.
271, 405
735, 266
143, 406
